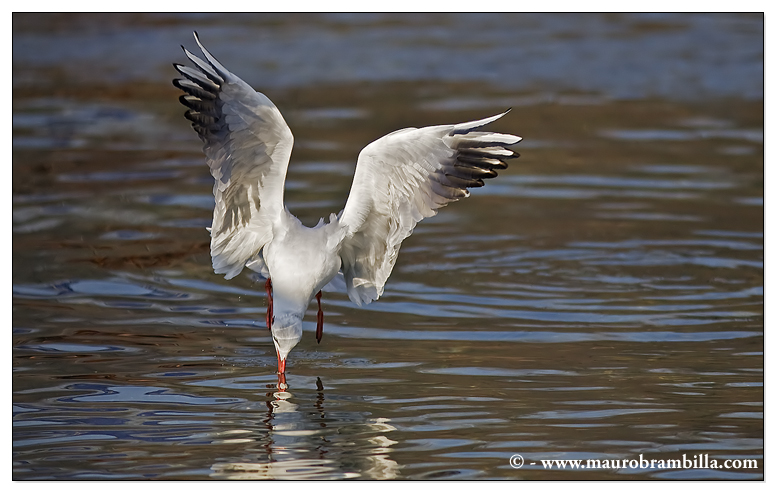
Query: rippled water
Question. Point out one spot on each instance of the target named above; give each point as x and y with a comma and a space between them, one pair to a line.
601, 299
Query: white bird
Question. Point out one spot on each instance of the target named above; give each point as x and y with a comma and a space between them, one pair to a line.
399, 180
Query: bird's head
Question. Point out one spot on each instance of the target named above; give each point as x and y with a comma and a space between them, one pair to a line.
286, 333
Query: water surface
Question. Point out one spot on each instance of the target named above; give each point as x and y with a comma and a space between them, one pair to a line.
601, 299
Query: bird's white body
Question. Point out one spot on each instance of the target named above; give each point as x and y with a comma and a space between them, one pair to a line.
399, 180
300, 261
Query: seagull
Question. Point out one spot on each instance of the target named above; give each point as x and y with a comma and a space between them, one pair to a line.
399, 180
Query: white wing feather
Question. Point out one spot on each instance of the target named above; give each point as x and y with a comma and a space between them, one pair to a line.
402, 178
248, 145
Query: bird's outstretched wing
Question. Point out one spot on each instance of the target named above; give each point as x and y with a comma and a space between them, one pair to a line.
402, 178
248, 145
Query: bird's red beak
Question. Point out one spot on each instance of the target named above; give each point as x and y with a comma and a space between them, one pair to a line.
281, 365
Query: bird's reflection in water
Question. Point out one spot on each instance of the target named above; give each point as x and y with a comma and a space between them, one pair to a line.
308, 441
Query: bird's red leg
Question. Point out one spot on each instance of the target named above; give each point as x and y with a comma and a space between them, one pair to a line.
319, 329
281, 362
268, 287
